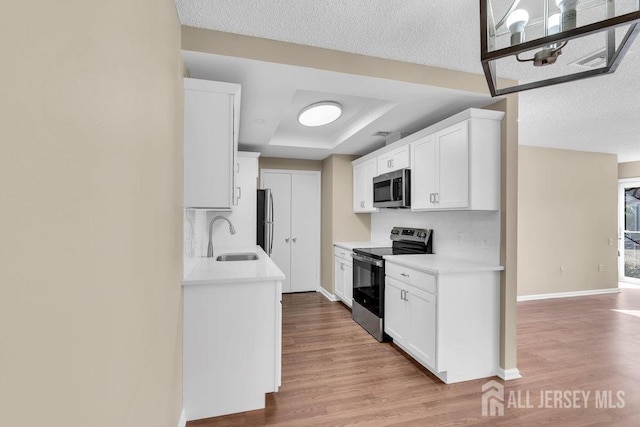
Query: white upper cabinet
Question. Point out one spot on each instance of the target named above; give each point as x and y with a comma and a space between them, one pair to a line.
394, 160
363, 175
457, 167
211, 125
455, 164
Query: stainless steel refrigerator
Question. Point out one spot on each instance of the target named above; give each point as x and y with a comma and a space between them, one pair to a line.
264, 227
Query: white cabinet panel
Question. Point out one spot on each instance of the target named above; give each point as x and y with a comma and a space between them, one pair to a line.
296, 201
421, 336
363, 174
343, 275
453, 167
211, 114
394, 160
231, 347
339, 284
348, 284
424, 181
395, 310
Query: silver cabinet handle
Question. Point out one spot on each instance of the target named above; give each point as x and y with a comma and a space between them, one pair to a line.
406, 295
295, 239
391, 162
436, 197
404, 275
286, 239
239, 192
402, 294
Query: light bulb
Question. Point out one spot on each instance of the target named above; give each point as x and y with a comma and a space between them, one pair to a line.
553, 25
516, 22
569, 14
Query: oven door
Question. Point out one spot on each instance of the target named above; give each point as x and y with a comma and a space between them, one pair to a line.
368, 283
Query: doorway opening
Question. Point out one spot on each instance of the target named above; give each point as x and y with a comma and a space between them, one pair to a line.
629, 231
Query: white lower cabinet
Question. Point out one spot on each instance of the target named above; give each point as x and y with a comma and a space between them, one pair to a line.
410, 319
343, 266
232, 347
395, 310
448, 322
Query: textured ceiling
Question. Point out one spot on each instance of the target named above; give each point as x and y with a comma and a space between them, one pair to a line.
597, 114
405, 30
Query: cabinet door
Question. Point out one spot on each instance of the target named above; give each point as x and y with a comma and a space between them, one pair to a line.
280, 185
394, 160
339, 278
421, 334
348, 284
400, 158
424, 182
363, 175
453, 166
305, 231
395, 310
208, 149
359, 187
384, 163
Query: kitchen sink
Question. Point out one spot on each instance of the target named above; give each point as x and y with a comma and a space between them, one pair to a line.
245, 256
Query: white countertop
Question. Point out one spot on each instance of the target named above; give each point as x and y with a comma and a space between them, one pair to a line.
439, 264
208, 271
353, 245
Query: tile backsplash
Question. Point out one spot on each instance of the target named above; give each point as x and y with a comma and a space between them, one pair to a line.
472, 235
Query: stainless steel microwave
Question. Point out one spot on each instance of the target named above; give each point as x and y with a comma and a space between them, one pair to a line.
392, 190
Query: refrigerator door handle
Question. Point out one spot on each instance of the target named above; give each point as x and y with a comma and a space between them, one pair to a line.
271, 226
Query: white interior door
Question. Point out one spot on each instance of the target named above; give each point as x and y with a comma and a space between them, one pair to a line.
280, 185
629, 231
305, 231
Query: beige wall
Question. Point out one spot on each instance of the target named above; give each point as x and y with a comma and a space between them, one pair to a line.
91, 184
629, 170
236, 45
339, 222
509, 190
289, 164
567, 218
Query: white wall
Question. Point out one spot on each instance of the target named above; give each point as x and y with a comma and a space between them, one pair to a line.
472, 235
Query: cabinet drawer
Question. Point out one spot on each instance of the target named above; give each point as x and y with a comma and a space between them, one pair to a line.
418, 279
344, 254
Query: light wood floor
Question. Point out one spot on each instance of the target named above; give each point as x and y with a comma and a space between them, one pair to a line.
334, 373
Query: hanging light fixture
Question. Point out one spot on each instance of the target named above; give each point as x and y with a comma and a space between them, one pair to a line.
526, 43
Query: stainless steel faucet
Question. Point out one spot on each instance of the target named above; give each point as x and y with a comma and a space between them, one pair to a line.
231, 230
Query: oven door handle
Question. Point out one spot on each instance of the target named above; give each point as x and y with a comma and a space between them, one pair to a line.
376, 262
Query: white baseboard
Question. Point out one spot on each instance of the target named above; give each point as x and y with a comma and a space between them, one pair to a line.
327, 295
569, 294
183, 419
509, 374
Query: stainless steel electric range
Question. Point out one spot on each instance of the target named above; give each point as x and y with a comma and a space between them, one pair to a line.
368, 276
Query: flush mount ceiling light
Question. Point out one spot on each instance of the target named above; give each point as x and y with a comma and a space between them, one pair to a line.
320, 114
576, 28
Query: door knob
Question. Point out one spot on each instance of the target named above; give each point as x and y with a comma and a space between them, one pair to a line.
286, 239
295, 239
